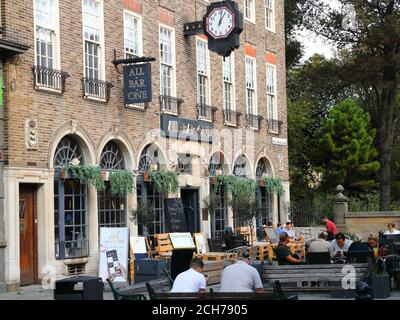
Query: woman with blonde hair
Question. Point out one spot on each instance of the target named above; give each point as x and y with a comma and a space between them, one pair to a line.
392, 229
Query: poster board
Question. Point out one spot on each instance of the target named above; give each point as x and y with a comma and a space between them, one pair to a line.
138, 248
114, 247
175, 219
272, 235
201, 243
182, 240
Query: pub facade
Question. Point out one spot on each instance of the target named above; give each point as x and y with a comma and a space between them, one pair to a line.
65, 103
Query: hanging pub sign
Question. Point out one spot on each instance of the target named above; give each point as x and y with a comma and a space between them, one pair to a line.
223, 24
137, 83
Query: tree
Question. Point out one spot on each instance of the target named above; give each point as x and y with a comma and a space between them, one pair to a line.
347, 154
367, 32
293, 19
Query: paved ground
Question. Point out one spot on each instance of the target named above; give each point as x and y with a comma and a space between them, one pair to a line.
38, 293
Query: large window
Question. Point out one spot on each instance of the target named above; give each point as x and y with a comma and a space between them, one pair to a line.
112, 208
70, 205
167, 60
270, 15
92, 32
251, 98
271, 93
46, 29
133, 35
203, 73
229, 89
250, 10
219, 220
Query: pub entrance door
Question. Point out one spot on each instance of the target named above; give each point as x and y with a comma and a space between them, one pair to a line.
190, 199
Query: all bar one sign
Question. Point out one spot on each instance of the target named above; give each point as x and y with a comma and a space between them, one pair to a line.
137, 84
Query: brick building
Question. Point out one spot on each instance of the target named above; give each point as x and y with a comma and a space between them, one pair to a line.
63, 100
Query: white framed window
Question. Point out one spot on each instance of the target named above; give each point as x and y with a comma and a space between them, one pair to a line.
250, 10
132, 35
93, 35
203, 72
228, 65
271, 92
270, 15
251, 85
167, 62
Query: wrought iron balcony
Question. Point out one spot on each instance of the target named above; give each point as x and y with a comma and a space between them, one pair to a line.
274, 126
231, 118
205, 112
170, 104
254, 122
47, 78
96, 89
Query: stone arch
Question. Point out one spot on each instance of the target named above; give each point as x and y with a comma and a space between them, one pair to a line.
243, 160
268, 164
80, 134
122, 140
161, 155
214, 158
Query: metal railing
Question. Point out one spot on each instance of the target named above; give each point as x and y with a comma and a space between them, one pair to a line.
49, 78
274, 126
97, 89
253, 122
205, 112
170, 104
231, 117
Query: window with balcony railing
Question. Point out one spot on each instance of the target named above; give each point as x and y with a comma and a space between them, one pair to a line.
170, 105
96, 89
49, 78
254, 122
274, 126
231, 118
205, 112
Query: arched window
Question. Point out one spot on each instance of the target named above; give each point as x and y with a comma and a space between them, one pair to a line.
148, 158
70, 205
147, 194
112, 157
241, 167
111, 208
264, 197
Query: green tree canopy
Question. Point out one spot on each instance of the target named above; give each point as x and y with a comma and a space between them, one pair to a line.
347, 153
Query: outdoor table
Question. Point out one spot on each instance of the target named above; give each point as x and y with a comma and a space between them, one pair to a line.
216, 256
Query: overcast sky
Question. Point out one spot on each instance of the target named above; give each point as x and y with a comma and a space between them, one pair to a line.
313, 44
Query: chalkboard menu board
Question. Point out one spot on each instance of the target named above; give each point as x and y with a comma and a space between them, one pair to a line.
175, 220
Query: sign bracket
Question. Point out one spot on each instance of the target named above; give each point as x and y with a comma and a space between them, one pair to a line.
116, 62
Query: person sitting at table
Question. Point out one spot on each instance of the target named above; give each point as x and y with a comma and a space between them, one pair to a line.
392, 229
279, 230
241, 277
289, 230
373, 244
191, 280
283, 253
341, 245
321, 245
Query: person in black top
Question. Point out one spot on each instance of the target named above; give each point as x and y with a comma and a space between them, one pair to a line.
283, 253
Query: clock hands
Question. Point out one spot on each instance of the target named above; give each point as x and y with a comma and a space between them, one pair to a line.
222, 17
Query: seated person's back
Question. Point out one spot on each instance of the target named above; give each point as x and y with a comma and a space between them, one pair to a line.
191, 280
321, 245
283, 253
241, 277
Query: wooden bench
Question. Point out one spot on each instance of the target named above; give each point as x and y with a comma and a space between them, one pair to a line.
327, 277
275, 294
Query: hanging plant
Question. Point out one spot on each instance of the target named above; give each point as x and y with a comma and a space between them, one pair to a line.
238, 186
274, 186
165, 182
121, 182
87, 175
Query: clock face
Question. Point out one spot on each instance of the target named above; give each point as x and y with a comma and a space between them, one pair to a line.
220, 22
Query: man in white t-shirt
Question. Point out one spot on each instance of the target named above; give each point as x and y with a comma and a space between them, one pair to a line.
241, 277
191, 280
341, 245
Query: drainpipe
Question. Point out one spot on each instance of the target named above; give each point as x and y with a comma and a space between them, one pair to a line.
3, 243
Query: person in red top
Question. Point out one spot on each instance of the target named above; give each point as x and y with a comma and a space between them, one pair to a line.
330, 227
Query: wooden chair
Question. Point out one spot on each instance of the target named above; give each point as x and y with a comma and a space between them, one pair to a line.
122, 296
163, 245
